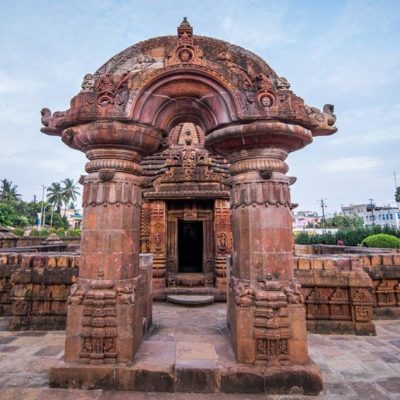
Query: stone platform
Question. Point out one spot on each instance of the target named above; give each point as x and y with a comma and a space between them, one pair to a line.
353, 367
189, 352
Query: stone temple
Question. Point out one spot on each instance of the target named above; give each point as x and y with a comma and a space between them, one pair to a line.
187, 138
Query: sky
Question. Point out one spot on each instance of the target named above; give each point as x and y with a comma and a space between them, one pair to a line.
344, 53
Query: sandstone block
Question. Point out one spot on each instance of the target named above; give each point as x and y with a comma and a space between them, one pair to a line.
376, 260
3, 259
317, 263
387, 259
304, 263
62, 261
329, 264
50, 262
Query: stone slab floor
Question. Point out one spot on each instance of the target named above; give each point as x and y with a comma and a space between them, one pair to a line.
353, 367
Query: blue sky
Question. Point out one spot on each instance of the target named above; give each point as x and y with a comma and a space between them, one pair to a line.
340, 52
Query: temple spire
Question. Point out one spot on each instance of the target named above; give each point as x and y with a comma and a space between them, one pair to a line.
185, 28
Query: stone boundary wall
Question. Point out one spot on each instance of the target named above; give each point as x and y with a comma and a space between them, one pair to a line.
338, 294
381, 265
6, 243
40, 285
384, 270
326, 249
342, 292
34, 288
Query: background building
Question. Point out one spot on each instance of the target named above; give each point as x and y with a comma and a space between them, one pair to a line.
371, 214
305, 219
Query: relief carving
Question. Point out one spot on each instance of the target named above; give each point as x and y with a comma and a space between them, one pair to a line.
186, 50
294, 293
363, 314
126, 294
244, 294
52, 123
362, 296
260, 193
271, 323
88, 83
116, 192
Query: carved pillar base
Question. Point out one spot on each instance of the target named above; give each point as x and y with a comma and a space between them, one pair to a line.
267, 323
104, 323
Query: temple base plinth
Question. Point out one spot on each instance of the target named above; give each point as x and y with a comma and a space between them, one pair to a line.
148, 374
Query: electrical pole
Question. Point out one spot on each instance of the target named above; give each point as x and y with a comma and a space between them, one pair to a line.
42, 208
323, 206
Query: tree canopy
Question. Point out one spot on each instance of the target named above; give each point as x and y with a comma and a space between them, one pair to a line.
341, 222
16, 212
9, 192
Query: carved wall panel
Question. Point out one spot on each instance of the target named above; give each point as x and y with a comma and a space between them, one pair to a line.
223, 239
40, 290
264, 318
387, 293
145, 219
157, 227
338, 295
6, 272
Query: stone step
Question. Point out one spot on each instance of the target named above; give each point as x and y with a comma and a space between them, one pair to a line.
190, 300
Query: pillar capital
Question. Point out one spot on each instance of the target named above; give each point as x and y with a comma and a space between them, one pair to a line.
113, 138
257, 135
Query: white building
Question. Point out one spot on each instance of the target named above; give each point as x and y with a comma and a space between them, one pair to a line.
374, 215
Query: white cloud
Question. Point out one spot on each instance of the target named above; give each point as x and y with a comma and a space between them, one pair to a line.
353, 164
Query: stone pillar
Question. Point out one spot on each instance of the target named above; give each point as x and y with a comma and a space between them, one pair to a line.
105, 308
266, 314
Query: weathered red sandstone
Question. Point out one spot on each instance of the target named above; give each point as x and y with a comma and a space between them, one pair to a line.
128, 110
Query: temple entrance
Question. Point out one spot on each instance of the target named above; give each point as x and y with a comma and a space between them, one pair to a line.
190, 246
187, 138
185, 215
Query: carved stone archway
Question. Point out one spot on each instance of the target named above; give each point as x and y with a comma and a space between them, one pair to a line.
250, 116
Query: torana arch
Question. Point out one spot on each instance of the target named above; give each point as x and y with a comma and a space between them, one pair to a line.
187, 134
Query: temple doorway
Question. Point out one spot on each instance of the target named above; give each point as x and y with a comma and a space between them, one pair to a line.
190, 246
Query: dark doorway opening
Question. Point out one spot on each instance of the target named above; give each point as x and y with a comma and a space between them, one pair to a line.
190, 246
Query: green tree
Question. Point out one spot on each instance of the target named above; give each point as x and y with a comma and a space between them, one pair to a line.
397, 194
55, 196
70, 192
59, 221
6, 214
344, 222
9, 192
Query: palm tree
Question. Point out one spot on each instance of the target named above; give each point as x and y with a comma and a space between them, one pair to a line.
70, 192
55, 197
8, 192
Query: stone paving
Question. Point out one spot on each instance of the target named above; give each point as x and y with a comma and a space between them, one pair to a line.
353, 367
